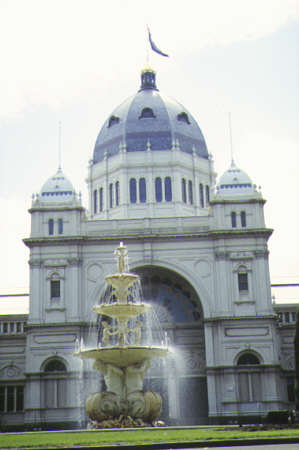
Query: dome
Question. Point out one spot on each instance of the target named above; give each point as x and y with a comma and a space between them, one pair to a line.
57, 189
235, 182
149, 118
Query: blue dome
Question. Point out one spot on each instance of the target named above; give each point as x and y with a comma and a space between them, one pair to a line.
149, 116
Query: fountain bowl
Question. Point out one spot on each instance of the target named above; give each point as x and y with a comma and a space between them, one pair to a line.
123, 356
122, 311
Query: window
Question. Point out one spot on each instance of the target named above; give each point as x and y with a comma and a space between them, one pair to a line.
19, 327
291, 389
243, 282
233, 217
168, 189
147, 113
11, 398
142, 190
207, 195
133, 196
117, 193
5, 327
51, 226
101, 200
201, 199
11, 327
114, 120
95, 201
243, 219
249, 378
183, 117
55, 289
111, 195
158, 189
60, 226
55, 384
190, 192
184, 193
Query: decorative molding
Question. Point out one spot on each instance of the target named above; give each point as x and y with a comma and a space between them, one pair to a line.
74, 261
55, 263
241, 255
35, 262
244, 332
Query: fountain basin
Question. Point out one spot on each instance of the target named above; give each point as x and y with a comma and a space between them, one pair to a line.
122, 311
123, 356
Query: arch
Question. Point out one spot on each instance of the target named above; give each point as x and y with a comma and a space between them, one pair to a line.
244, 357
133, 190
158, 189
147, 113
195, 282
167, 189
142, 190
52, 362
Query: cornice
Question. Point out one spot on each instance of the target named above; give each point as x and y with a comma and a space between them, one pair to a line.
236, 201
240, 318
150, 235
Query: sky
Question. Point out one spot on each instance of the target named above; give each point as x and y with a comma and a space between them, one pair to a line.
74, 61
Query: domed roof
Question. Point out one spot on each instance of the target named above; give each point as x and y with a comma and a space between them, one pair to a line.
57, 189
235, 182
149, 118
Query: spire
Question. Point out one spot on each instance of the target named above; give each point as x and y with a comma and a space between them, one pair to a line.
148, 79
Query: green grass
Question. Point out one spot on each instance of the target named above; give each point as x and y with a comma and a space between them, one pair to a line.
61, 439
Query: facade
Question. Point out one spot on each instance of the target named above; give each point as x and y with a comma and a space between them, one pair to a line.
200, 248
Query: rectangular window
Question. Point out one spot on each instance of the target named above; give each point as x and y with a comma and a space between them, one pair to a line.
5, 327
234, 219
11, 327
2, 398
142, 190
184, 193
60, 226
243, 219
168, 190
287, 317
95, 201
243, 282
201, 199
51, 227
190, 192
55, 288
207, 195
111, 195
101, 200
19, 327
11, 398
117, 193
291, 389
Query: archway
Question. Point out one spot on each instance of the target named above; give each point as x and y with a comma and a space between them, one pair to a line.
183, 385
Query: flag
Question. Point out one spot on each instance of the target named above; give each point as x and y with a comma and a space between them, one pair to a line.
153, 45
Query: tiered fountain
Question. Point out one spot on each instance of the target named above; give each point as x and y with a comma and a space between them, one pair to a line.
124, 402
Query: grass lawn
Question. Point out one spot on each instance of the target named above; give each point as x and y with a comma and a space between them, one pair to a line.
61, 439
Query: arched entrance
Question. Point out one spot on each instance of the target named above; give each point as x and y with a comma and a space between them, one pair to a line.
182, 380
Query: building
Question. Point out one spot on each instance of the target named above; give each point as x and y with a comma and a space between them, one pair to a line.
200, 248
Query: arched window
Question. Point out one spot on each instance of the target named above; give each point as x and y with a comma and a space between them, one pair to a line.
133, 196
184, 193
233, 219
147, 113
142, 190
60, 226
201, 199
101, 195
111, 195
183, 117
55, 365
158, 189
113, 121
249, 378
190, 192
95, 201
207, 195
117, 193
55, 392
168, 189
243, 219
51, 227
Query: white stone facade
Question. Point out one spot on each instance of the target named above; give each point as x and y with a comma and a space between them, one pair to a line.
205, 253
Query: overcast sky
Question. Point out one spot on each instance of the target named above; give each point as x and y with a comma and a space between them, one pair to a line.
74, 61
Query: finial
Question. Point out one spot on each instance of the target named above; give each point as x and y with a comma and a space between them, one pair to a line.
148, 146
231, 139
59, 145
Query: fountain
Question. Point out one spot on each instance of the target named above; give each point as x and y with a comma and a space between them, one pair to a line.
124, 402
